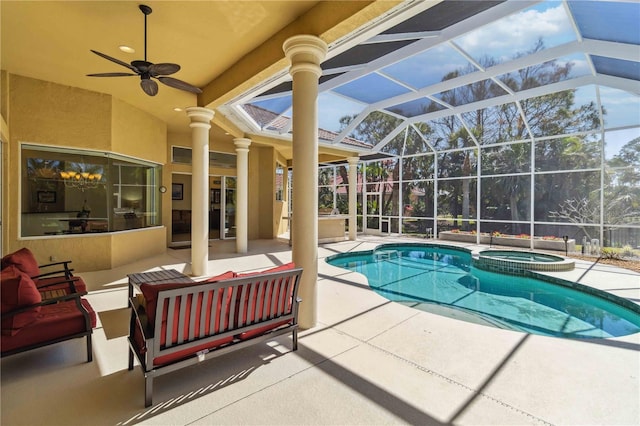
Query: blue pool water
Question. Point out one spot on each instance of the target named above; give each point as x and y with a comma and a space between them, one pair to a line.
442, 280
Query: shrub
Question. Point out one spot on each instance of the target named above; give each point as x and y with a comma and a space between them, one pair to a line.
627, 251
608, 253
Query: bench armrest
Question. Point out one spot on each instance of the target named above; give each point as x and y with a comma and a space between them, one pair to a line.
140, 324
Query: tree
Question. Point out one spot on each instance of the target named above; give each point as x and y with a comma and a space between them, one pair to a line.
543, 116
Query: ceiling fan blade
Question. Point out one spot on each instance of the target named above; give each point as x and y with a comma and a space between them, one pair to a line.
111, 74
117, 61
163, 69
149, 86
179, 84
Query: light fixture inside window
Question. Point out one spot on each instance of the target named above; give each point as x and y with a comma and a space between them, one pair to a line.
81, 180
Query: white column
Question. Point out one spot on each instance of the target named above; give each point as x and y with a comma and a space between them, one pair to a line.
305, 53
353, 197
200, 125
242, 193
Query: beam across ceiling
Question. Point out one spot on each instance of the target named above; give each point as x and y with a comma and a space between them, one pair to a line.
329, 20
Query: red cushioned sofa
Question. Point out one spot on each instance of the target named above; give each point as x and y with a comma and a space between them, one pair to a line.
32, 318
48, 277
179, 324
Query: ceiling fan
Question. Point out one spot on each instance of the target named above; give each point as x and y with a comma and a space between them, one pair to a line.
147, 70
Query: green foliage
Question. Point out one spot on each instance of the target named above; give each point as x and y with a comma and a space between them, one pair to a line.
608, 253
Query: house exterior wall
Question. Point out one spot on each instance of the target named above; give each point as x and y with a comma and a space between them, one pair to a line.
46, 113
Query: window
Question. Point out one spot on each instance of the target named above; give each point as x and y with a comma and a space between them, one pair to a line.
67, 191
279, 183
181, 155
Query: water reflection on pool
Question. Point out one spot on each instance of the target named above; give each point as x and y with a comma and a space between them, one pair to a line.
443, 280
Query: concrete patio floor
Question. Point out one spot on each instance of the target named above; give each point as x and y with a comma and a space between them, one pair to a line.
368, 361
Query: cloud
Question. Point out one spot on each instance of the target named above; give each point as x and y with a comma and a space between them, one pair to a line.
519, 32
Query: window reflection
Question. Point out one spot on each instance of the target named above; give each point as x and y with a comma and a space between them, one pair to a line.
73, 191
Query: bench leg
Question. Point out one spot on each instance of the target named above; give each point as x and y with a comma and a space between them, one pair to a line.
89, 349
130, 359
148, 390
295, 339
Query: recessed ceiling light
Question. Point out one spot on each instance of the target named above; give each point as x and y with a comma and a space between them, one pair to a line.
127, 49
177, 109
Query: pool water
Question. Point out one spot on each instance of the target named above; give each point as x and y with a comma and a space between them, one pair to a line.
521, 256
442, 280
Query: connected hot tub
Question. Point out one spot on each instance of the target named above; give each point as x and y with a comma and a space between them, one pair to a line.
517, 262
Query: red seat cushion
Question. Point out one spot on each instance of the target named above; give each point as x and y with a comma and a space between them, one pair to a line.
261, 330
17, 291
179, 355
24, 260
53, 322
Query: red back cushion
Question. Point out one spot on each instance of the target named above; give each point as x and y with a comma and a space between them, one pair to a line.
18, 290
284, 267
259, 300
24, 260
150, 292
224, 276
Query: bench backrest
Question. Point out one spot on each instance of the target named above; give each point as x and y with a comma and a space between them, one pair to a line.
196, 317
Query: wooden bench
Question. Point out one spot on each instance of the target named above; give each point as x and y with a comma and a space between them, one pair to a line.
175, 325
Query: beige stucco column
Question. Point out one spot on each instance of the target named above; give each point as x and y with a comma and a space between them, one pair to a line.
353, 197
305, 53
200, 125
242, 193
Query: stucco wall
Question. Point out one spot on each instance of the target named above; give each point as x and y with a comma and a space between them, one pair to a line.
136, 133
51, 114
87, 253
46, 113
267, 191
129, 246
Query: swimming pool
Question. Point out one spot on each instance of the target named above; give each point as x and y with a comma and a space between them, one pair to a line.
519, 262
442, 280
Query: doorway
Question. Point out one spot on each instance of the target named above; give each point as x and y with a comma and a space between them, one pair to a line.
222, 212
373, 220
222, 201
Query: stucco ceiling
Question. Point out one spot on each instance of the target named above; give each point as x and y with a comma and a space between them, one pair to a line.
51, 40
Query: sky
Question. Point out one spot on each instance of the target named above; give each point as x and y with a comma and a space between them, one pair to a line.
500, 40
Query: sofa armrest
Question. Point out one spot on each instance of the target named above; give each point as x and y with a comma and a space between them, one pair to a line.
71, 281
68, 272
50, 301
65, 263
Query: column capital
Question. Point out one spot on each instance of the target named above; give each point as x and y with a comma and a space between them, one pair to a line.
305, 53
242, 144
200, 117
353, 161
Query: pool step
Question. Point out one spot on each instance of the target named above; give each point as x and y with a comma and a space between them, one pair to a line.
382, 255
